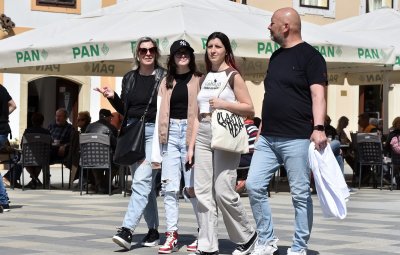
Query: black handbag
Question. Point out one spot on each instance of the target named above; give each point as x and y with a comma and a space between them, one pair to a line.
131, 139
130, 144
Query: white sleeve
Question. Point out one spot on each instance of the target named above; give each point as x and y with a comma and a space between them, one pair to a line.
156, 156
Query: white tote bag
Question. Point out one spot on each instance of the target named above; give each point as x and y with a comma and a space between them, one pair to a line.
331, 187
228, 130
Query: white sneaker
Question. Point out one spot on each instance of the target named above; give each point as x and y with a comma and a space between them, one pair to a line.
302, 252
265, 249
171, 243
193, 246
244, 249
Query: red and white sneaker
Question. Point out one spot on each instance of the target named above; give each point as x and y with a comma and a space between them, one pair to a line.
192, 246
170, 244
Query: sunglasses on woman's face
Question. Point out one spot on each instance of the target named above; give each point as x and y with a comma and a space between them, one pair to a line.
143, 51
182, 53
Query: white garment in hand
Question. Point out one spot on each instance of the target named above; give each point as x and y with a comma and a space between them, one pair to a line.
156, 156
331, 186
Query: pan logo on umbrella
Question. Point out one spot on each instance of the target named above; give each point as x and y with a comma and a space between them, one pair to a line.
44, 54
105, 49
367, 53
89, 51
31, 56
234, 45
339, 51
267, 47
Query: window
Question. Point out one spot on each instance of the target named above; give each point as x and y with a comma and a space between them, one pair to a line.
64, 3
324, 8
373, 5
60, 6
321, 4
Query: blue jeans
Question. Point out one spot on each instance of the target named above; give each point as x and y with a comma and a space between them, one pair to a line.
269, 154
335, 146
143, 199
173, 165
3, 192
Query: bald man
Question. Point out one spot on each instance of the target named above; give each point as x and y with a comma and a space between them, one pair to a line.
292, 115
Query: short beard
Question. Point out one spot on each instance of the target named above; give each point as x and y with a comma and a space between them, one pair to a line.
277, 39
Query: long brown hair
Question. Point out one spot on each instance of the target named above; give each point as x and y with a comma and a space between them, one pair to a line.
229, 57
171, 69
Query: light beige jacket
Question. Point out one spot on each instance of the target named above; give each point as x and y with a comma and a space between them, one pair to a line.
163, 114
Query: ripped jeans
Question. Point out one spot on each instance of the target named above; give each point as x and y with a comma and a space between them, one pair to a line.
173, 165
143, 199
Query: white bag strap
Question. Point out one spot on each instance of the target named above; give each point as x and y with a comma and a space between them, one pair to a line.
223, 86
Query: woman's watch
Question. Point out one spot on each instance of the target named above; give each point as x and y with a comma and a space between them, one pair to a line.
319, 127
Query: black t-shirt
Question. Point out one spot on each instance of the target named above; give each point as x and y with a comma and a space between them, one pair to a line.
287, 105
179, 97
139, 97
4, 99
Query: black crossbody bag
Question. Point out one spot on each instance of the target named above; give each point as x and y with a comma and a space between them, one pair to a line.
131, 139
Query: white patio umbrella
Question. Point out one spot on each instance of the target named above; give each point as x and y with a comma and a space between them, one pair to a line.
382, 25
101, 43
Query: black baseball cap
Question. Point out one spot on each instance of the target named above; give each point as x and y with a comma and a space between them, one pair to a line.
179, 44
104, 113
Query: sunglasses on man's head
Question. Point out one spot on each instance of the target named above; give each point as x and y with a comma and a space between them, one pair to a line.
143, 51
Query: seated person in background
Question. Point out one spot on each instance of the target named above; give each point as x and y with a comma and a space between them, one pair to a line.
116, 120
347, 153
364, 125
245, 159
331, 133
394, 132
343, 122
72, 158
103, 126
13, 176
84, 120
37, 120
329, 130
61, 133
392, 146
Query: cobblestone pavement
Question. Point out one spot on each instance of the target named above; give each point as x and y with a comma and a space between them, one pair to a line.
61, 221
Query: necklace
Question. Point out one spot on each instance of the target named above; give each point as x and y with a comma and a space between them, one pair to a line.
213, 75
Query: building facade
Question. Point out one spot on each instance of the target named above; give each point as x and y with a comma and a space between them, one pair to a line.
45, 93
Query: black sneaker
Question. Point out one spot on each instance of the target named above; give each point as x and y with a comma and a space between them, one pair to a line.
123, 238
152, 238
204, 253
244, 249
5, 207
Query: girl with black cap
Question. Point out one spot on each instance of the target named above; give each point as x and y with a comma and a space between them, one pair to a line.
177, 110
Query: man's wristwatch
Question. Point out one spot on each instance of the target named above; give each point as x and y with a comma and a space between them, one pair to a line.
319, 127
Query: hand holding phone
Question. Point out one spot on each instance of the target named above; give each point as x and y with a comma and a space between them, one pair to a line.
188, 165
